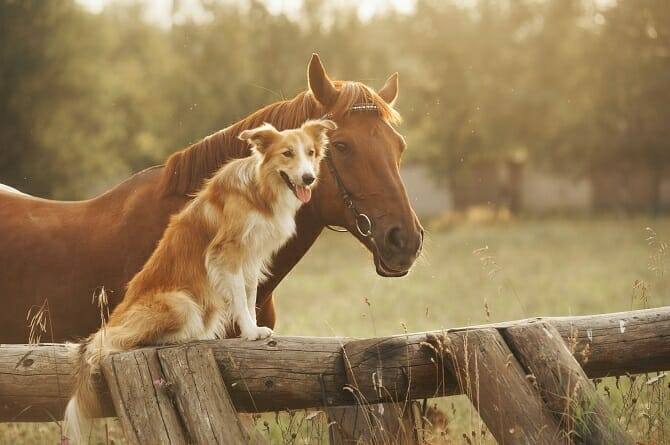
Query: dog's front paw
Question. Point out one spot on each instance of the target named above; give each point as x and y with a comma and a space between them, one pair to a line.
257, 333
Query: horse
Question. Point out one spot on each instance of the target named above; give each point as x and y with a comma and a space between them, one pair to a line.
57, 255
8, 189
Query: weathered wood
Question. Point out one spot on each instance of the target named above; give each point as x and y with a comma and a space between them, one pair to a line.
200, 395
284, 372
142, 399
564, 386
36, 382
377, 423
395, 368
488, 373
613, 344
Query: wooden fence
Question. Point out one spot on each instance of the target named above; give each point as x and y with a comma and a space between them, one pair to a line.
528, 379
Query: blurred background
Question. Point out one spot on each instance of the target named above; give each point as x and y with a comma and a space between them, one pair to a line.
538, 133
533, 105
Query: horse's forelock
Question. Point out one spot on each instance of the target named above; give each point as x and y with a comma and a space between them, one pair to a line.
356, 93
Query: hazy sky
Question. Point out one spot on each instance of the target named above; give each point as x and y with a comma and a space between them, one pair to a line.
158, 11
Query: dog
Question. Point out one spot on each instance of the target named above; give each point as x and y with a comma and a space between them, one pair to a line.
201, 280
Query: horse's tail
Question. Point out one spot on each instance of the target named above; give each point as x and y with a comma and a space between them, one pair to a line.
84, 404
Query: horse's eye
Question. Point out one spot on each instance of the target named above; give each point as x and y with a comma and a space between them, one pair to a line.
288, 153
341, 146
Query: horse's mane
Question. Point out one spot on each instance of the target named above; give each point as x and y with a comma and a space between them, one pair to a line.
186, 170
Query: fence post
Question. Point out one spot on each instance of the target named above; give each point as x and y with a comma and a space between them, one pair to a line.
376, 423
142, 402
564, 386
201, 396
173, 394
390, 422
488, 372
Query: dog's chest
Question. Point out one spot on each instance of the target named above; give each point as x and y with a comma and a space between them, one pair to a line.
269, 233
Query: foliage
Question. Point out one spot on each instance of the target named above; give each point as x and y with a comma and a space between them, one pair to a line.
86, 99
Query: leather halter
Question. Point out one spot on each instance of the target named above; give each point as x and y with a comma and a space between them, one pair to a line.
362, 221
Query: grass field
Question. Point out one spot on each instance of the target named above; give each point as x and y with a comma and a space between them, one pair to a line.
473, 274
517, 270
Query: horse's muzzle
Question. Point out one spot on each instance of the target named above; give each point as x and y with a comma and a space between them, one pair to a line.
399, 251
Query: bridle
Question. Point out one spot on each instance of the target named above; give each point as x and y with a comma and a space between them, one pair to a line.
362, 221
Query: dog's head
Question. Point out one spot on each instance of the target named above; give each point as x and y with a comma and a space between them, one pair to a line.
293, 155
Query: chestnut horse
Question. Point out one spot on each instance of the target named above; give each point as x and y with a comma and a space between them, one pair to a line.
64, 252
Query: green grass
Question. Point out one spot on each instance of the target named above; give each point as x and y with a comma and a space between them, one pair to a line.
531, 268
471, 274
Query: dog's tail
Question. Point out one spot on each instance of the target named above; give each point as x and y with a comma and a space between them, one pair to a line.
84, 404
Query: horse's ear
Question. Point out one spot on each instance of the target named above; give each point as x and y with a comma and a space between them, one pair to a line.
389, 92
319, 83
261, 137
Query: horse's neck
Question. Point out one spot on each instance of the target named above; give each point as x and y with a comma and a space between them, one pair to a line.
186, 170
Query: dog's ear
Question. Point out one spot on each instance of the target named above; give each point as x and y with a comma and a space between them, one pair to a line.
317, 130
316, 127
261, 137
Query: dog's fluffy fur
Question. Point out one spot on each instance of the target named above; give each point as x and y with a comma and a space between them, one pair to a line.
201, 280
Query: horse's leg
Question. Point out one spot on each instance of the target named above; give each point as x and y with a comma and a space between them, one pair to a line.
265, 311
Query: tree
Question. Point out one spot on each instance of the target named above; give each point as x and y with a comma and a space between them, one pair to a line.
633, 89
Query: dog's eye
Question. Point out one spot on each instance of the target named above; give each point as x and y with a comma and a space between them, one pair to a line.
288, 153
311, 152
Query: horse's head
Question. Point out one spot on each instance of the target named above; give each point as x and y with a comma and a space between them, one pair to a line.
361, 188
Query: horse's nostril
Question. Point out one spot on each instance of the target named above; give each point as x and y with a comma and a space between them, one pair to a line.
308, 178
396, 238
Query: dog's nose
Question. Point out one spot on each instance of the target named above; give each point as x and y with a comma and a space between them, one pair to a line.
308, 178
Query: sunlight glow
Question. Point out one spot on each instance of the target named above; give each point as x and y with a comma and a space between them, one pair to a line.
160, 12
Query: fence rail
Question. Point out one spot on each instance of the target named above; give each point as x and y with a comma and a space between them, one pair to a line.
304, 372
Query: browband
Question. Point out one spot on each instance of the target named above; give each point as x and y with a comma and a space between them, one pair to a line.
367, 106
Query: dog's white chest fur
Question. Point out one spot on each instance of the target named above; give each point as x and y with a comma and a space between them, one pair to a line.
266, 234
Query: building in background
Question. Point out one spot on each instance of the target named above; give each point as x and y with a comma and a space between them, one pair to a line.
530, 189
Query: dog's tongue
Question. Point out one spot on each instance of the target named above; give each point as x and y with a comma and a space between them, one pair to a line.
303, 193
